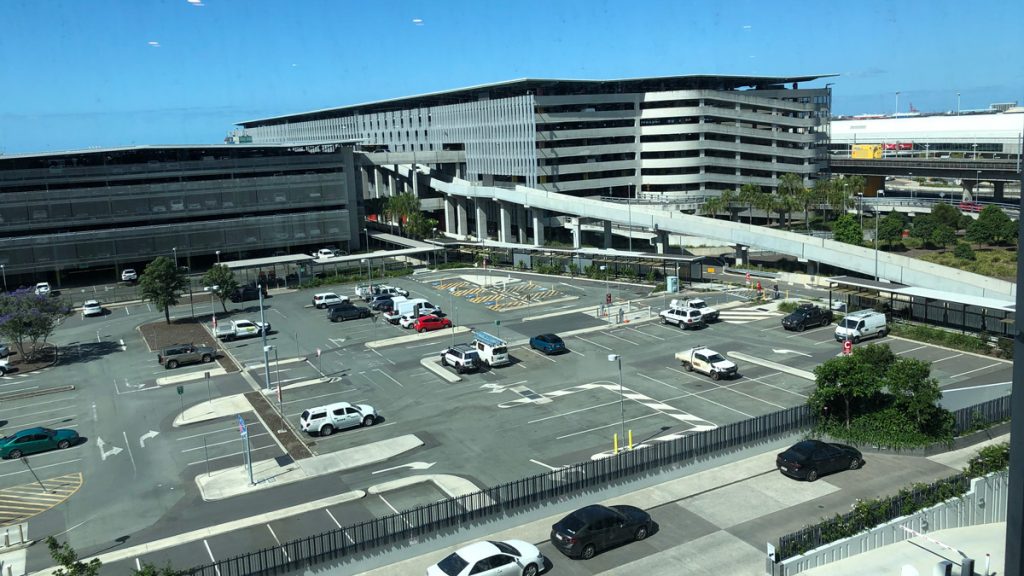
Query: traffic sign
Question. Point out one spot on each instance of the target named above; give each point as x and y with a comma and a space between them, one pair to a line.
242, 428
847, 347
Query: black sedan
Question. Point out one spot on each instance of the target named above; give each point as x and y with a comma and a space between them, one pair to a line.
809, 459
807, 316
592, 528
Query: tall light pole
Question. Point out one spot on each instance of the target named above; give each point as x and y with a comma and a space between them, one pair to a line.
897, 103
366, 232
860, 197
3, 269
218, 257
622, 410
957, 103
213, 309
876, 243
175, 252
367, 262
263, 332
607, 293
629, 213
451, 300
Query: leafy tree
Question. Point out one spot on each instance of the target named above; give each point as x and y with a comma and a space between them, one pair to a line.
947, 215
846, 383
420, 225
943, 236
924, 227
964, 251
838, 194
68, 562
401, 207
750, 195
223, 283
890, 228
26, 316
729, 200
712, 206
993, 226
847, 229
162, 283
915, 393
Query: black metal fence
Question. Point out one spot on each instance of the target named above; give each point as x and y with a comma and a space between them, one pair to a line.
981, 415
432, 519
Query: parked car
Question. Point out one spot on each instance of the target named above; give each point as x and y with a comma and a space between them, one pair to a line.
683, 317
241, 329
324, 253
43, 289
548, 344
860, 325
5, 367
325, 299
174, 356
92, 308
382, 303
491, 558
593, 528
462, 357
129, 275
324, 420
346, 311
707, 361
807, 315
428, 323
407, 320
33, 440
810, 459
246, 293
5, 350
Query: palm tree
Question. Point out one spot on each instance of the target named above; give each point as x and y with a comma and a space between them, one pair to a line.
821, 191
793, 193
712, 206
750, 194
729, 198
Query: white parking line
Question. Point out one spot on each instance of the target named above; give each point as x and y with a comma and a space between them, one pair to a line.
657, 381
976, 387
947, 358
911, 350
25, 471
312, 398
592, 342
278, 540
549, 467
207, 544
381, 496
569, 413
231, 429
644, 333
621, 338
386, 375
232, 455
544, 356
222, 443
613, 424
384, 357
758, 380
973, 371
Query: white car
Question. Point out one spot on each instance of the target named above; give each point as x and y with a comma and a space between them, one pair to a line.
491, 558
4, 367
129, 275
43, 289
324, 253
92, 308
407, 320
325, 299
324, 420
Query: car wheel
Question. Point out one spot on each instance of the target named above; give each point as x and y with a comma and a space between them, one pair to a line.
856, 339
664, 320
588, 552
825, 322
422, 330
207, 358
14, 455
800, 327
688, 366
641, 533
369, 421
530, 570
63, 444
812, 475
532, 347
172, 364
855, 463
883, 333
715, 375
327, 430
444, 361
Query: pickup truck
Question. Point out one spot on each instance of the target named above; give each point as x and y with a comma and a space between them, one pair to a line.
707, 312
366, 292
179, 354
707, 361
240, 329
682, 317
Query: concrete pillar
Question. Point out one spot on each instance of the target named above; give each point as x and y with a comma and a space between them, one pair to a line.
364, 182
741, 255
481, 218
521, 224
376, 182
577, 233
450, 215
538, 226
392, 191
462, 215
661, 242
812, 267
607, 234
504, 222
999, 191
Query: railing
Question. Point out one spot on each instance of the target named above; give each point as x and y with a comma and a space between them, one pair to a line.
980, 415
430, 519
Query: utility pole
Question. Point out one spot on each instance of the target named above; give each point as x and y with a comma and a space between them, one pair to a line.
1014, 563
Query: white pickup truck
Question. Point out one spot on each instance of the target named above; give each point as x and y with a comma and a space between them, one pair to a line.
707, 361
710, 314
682, 317
240, 329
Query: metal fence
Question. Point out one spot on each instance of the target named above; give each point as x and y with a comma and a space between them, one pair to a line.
981, 415
431, 519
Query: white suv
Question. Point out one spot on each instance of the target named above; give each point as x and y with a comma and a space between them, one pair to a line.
682, 317
324, 420
325, 299
129, 275
43, 289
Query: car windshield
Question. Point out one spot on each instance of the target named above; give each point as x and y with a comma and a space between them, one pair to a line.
453, 564
715, 358
305, 414
571, 524
506, 548
697, 305
849, 323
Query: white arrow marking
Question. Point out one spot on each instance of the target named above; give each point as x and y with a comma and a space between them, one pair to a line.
494, 388
785, 351
147, 435
411, 466
114, 450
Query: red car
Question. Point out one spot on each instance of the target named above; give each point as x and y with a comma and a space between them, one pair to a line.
426, 323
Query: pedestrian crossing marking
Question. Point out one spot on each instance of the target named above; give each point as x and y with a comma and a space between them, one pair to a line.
19, 503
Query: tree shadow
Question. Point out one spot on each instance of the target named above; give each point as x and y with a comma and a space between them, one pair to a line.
82, 352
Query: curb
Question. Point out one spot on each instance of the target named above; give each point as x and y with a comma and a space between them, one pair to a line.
435, 367
774, 365
414, 337
34, 393
191, 376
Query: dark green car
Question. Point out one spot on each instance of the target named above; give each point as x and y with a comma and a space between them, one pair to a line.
36, 440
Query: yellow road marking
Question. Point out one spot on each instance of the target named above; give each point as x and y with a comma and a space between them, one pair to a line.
19, 503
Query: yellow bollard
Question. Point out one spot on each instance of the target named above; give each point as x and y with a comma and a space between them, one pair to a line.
615, 443
630, 439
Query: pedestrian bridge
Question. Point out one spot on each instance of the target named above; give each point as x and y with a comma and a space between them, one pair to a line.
887, 266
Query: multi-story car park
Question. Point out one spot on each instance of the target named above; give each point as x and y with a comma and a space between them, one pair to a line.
656, 140
119, 208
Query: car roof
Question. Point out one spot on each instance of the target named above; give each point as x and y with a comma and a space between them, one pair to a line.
590, 513
87, 302
27, 431
477, 551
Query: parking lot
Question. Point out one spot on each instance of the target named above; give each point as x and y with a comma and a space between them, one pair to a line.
560, 409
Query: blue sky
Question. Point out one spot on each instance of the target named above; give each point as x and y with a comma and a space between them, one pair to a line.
77, 73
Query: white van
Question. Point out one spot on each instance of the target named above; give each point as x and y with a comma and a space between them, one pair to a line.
860, 325
324, 420
492, 350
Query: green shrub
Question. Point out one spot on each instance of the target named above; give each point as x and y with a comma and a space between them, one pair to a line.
789, 306
890, 428
989, 459
930, 335
964, 251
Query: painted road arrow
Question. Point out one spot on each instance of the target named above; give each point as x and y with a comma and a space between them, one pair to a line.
411, 466
114, 450
785, 351
146, 436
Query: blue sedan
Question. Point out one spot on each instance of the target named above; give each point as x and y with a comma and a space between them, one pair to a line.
548, 344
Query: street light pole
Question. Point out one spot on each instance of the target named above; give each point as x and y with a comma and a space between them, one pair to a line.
876, 244
860, 196
3, 268
629, 212
451, 300
218, 257
622, 410
175, 252
607, 293
263, 332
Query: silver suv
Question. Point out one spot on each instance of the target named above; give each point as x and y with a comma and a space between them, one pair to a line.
179, 354
462, 357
